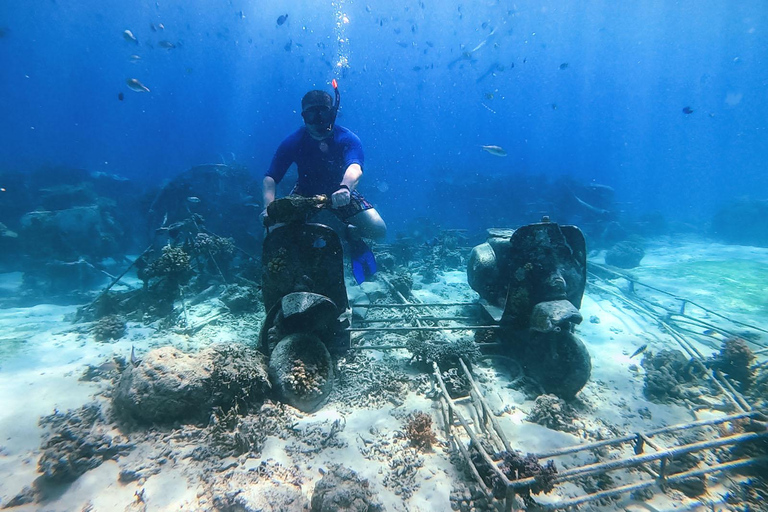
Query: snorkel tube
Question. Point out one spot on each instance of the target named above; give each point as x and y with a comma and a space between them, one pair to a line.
335, 86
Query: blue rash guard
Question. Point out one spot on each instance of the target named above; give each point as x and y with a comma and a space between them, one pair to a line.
321, 163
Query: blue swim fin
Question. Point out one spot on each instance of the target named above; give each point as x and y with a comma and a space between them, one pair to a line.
363, 260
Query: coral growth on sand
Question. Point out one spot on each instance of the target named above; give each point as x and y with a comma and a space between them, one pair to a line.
554, 413
110, 327
516, 466
735, 359
669, 375
419, 432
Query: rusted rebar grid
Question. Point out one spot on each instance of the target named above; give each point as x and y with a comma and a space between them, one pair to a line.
417, 305
473, 437
677, 477
655, 432
683, 300
424, 318
426, 328
401, 297
686, 320
487, 413
634, 461
728, 391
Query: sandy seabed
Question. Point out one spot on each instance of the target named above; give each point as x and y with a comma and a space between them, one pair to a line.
43, 357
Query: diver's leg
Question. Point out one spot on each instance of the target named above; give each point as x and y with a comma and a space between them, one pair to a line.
367, 224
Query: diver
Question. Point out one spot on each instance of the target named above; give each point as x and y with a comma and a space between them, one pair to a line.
329, 160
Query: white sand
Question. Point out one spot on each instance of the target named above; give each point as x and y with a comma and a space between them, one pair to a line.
42, 356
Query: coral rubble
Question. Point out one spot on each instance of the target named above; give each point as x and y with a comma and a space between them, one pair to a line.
342, 490
669, 375
77, 441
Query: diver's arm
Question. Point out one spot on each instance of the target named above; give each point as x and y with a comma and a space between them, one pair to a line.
343, 196
268, 188
352, 176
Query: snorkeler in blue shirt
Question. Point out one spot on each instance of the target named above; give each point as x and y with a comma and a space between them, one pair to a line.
329, 159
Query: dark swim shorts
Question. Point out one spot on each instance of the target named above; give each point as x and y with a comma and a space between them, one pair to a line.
357, 204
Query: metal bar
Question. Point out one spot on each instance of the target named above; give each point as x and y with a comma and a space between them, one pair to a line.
417, 304
377, 347
423, 318
467, 429
603, 467
650, 433
650, 483
473, 469
487, 409
720, 315
428, 328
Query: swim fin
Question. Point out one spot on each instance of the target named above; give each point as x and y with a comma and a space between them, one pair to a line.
363, 260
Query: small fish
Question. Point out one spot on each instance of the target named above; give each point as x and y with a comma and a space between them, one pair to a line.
166, 44
241, 14
135, 361
687, 110
193, 199
153, 27
120, 96
282, 19
495, 150
161, 26
564, 66
107, 367
134, 58
638, 351
489, 95
128, 36
135, 85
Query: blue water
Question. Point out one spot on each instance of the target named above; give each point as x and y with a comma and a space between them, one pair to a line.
231, 87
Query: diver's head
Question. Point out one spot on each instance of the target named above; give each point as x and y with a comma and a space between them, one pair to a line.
319, 114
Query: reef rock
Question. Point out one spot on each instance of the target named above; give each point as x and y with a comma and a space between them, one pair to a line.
341, 490
553, 413
241, 299
742, 222
625, 255
71, 233
169, 385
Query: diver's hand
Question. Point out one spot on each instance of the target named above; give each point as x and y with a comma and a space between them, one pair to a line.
341, 197
265, 220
